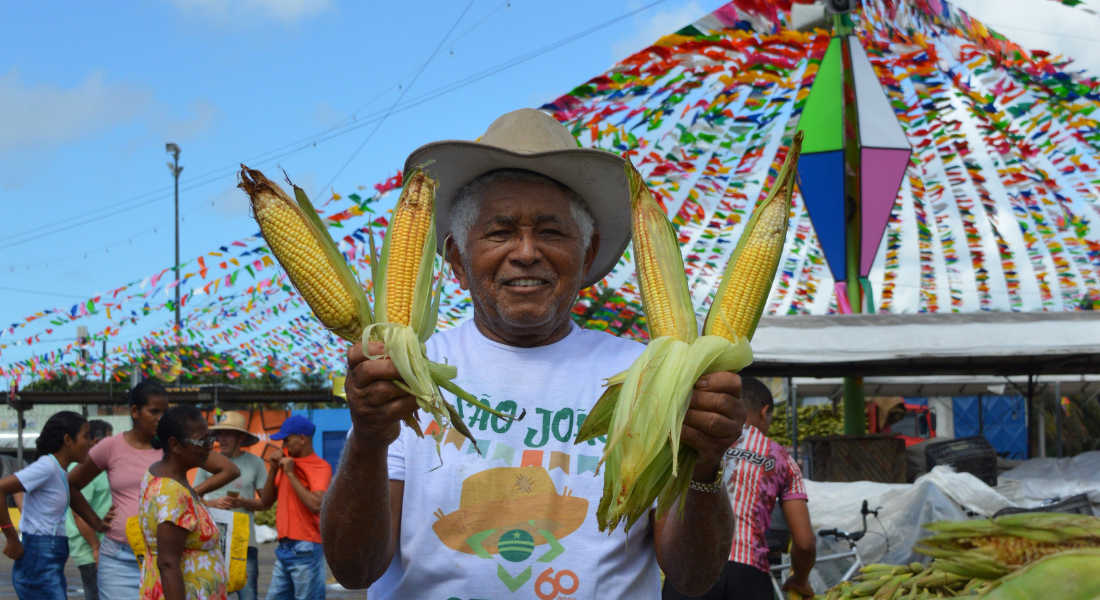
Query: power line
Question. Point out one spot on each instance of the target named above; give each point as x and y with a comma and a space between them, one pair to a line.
404, 90
331, 133
8, 289
1049, 33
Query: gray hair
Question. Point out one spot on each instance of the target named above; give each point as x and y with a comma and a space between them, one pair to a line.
467, 204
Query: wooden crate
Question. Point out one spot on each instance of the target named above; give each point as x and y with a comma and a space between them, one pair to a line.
869, 457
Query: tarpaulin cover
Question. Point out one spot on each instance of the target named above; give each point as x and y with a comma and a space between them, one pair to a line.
1044, 478
941, 495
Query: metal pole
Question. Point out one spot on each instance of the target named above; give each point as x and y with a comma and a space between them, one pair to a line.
19, 446
855, 410
794, 410
1059, 417
1042, 419
176, 168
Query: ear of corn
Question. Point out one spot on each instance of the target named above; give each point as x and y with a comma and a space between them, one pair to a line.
743, 292
1008, 541
666, 298
302, 245
404, 276
407, 307
642, 411
1069, 575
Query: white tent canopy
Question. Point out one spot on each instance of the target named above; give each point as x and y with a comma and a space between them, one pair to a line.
927, 344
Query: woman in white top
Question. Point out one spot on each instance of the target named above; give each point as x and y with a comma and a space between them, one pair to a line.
39, 570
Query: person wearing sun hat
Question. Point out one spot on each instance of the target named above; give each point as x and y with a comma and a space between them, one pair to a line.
526, 219
240, 496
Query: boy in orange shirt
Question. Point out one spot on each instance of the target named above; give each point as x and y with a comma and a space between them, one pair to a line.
297, 478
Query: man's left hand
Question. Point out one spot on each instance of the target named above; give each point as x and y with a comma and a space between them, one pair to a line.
800, 585
287, 463
714, 420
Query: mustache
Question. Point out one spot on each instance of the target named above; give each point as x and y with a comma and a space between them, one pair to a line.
547, 276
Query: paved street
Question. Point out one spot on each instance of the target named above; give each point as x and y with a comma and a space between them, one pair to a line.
267, 560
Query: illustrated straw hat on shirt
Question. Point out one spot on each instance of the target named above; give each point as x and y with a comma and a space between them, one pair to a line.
515, 503
235, 421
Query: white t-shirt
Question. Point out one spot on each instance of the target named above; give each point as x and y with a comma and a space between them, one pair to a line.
46, 499
519, 521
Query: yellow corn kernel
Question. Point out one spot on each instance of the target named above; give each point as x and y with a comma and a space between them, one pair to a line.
660, 266
308, 255
752, 277
301, 255
411, 221
748, 278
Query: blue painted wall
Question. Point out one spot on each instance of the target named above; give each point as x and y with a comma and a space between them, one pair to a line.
332, 428
1003, 421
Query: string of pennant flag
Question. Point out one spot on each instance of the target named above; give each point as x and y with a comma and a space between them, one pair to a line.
995, 210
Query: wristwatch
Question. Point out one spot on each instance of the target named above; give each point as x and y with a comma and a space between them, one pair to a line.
712, 488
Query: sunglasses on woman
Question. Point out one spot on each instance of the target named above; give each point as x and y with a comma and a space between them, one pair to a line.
206, 442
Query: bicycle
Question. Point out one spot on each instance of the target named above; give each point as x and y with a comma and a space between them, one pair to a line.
837, 534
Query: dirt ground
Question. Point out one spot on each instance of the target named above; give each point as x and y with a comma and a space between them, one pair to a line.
267, 561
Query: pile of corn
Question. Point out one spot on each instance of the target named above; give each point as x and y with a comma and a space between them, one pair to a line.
642, 411
1019, 557
406, 308
812, 420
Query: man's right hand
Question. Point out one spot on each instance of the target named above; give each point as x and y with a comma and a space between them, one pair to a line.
376, 404
274, 459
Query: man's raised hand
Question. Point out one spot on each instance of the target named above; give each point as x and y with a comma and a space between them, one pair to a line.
714, 420
376, 404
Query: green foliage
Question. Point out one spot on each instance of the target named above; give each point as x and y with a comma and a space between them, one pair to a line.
267, 517
812, 420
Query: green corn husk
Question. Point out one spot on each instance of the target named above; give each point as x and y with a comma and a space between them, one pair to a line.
1069, 575
990, 548
404, 344
642, 411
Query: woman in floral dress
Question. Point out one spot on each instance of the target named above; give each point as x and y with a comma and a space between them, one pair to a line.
183, 559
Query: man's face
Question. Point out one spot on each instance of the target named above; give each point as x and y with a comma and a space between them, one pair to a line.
228, 441
524, 261
292, 445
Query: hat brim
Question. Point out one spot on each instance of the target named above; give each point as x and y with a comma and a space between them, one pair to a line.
597, 176
250, 438
278, 436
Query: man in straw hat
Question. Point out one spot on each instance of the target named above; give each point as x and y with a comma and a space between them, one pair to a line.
533, 219
240, 495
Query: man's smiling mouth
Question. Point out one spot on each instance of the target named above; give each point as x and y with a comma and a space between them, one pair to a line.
525, 282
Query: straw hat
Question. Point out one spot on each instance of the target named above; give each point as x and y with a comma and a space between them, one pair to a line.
521, 501
235, 421
534, 141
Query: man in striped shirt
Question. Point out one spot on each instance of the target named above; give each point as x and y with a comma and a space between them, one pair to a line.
759, 473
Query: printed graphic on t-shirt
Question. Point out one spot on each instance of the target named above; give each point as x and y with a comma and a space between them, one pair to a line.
516, 521
515, 516
508, 514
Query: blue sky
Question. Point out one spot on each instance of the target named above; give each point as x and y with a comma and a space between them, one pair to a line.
90, 93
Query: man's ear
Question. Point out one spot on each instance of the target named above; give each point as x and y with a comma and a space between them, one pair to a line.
593, 249
454, 258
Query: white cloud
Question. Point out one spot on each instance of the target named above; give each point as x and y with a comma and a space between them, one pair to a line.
282, 10
649, 29
327, 115
37, 119
1048, 26
46, 115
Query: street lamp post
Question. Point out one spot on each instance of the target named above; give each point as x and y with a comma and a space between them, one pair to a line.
175, 168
